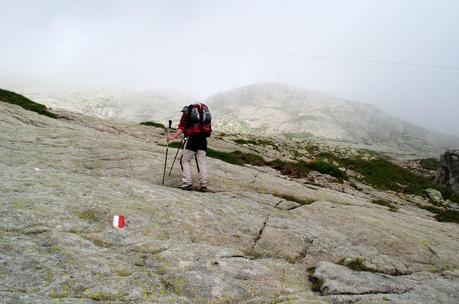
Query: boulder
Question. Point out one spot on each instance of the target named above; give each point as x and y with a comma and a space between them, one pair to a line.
434, 195
448, 173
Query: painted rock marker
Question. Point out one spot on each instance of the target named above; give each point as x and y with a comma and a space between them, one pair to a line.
118, 221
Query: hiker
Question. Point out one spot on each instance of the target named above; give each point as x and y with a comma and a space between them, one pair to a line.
196, 127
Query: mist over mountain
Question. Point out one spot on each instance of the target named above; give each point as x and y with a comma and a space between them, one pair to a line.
272, 109
278, 109
120, 104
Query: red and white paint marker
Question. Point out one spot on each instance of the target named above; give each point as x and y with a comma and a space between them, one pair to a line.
118, 221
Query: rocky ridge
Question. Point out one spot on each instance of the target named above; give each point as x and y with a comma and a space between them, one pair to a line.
278, 109
259, 237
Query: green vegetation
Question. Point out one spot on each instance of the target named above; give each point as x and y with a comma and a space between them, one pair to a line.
13, 98
430, 163
228, 157
383, 174
153, 124
103, 296
443, 215
124, 273
385, 204
299, 135
357, 264
90, 215
316, 283
255, 142
302, 168
250, 158
432, 209
237, 157
174, 144
451, 216
64, 292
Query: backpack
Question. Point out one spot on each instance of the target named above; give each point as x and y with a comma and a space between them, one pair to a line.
201, 119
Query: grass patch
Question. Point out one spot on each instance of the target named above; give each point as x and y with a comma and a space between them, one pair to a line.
102, 296
237, 157
124, 273
301, 168
255, 142
298, 135
153, 124
432, 209
174, 144
13, 98
63, 293
385, 175
316, 283
357, 264
90, 215
385, 204
451, 216
430, 163
249, 158
228, 157
442, 215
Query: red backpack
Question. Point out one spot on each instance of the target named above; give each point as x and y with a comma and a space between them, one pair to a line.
200, 120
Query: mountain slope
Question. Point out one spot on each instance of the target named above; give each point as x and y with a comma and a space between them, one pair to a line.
251, 241
283, 110
126, 105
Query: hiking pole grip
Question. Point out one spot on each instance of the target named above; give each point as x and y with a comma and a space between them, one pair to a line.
170, 124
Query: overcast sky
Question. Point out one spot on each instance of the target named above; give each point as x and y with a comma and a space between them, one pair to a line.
202, 47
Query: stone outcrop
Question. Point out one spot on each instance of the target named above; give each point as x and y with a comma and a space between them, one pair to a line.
61, 182
449, 170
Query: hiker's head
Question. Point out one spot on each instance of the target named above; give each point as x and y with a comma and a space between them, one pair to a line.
185, 109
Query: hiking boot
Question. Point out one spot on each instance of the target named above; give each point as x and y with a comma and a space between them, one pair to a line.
186, 187
203, 189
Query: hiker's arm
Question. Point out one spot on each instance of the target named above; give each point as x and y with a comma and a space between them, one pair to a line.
175, 135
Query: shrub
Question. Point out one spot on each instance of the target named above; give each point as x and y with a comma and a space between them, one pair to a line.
443, 215
299, 135
385, 204
382, 174
175, 144
225, 156
255, 142
13, 98
432, 209
327, 168
430, 163
301, 168
250, 158
358, 264
153, 124
451, 216
295, 169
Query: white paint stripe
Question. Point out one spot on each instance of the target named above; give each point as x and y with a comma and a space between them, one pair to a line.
116, 221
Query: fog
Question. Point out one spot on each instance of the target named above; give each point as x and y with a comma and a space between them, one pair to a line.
401, 55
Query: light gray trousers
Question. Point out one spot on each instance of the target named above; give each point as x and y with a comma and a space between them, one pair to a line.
185, 161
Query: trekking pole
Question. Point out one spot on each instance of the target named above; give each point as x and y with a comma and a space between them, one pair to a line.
167, 150
182, 144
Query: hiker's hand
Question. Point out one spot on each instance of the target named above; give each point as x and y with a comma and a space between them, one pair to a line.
171, 137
